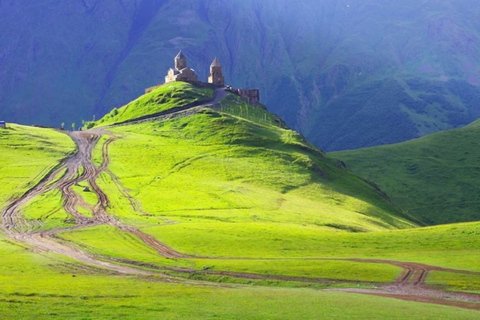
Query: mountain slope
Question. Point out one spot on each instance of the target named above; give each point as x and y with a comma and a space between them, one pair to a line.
434, 178
341, 73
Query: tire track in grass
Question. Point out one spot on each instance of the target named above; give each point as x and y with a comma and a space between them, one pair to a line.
18, 228
410, 285
413, 274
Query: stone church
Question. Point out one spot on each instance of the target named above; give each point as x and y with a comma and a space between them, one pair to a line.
181, 72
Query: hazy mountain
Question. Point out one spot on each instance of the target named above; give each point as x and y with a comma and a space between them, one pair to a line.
347, 74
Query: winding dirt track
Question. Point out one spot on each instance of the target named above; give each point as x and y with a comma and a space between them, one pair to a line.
17, 227
410, 285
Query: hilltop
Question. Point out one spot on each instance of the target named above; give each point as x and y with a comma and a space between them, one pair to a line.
342, 73
238, 146
188, 202
433, 178
164, 98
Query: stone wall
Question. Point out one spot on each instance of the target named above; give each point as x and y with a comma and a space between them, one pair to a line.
252, 95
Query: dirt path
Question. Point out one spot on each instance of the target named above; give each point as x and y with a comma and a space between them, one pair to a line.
17, 227
410, 285
80, 168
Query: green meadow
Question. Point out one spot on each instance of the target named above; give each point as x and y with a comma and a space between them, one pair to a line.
452, 246
89, 197
45, 286
198, 180
213, 164
27, 155
235, 191
46, 211
455, 281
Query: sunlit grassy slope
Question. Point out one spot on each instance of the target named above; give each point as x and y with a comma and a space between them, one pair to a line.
213, 168
234, 183
167, 96
434, 178
26, 155
228, 183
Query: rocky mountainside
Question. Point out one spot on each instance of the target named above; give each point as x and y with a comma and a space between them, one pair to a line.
346, 74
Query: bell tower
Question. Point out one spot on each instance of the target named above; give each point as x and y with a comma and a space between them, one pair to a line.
180, 61
216, 75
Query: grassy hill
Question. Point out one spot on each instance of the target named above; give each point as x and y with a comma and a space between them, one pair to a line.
160, 99
434, 178
260, 222
217, 162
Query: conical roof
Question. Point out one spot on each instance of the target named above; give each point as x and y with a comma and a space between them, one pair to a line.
215, 63
180, 55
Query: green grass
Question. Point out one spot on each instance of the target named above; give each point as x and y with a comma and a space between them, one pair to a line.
46, 212
215, 162
89, 197
58, 177
455, 281
113, 242
434, 178
313, 269
205, 172
97, 157
84, 211
453, 246
231, 184
123, 206
26, 295
167, 96
28, 154
237, 106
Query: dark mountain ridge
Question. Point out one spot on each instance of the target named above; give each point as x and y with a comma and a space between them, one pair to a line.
346, 74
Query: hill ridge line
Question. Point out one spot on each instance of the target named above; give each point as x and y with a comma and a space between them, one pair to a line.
220, 93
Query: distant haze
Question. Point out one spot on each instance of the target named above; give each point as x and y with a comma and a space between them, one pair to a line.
346, 74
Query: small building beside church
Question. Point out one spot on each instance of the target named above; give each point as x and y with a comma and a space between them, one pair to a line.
252, 95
